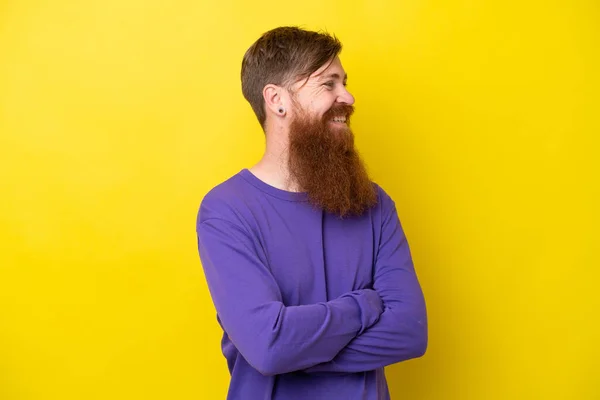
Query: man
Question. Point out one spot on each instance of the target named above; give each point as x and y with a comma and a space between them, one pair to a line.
305, 258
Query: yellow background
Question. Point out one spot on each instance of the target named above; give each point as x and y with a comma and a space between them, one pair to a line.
480, 118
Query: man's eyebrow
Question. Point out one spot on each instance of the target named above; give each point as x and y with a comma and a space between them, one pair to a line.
334, 75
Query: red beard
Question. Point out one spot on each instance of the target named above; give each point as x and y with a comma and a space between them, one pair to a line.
325, 164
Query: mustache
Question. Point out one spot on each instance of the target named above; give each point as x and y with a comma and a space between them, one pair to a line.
339, 110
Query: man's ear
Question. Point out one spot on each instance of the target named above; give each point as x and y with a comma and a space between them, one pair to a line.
274, 99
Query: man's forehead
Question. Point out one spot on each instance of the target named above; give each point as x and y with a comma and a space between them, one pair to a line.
331, 70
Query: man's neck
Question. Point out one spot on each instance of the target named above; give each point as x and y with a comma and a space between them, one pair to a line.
273, 167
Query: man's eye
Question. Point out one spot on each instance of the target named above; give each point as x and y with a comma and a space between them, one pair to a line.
329, 84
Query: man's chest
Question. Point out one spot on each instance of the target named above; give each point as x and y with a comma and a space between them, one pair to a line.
319, 260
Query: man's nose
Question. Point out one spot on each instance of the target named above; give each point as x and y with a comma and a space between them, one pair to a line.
345, 97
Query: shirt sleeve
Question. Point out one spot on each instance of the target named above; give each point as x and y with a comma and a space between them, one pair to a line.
401, 332
272, 337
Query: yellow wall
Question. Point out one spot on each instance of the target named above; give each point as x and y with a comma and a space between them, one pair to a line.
116, 116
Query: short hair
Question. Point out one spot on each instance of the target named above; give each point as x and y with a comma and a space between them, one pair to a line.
281, 57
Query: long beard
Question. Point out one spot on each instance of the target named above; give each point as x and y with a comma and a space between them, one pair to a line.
325, 164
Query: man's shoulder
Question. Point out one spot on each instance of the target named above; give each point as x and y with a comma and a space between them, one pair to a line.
386, 205
228, 190
221, 200
383, 198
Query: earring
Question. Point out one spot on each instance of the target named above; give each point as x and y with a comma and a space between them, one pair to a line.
281, 110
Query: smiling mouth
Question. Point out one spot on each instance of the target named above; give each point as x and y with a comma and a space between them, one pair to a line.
341, 120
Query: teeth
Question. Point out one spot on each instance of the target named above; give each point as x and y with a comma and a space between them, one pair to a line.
339, 119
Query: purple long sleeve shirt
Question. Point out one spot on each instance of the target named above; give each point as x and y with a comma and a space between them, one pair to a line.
312, 306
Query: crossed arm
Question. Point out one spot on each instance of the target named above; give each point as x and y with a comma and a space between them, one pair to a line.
401, 331
359, 331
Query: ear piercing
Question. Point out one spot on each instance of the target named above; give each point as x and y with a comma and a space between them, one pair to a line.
281, 110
